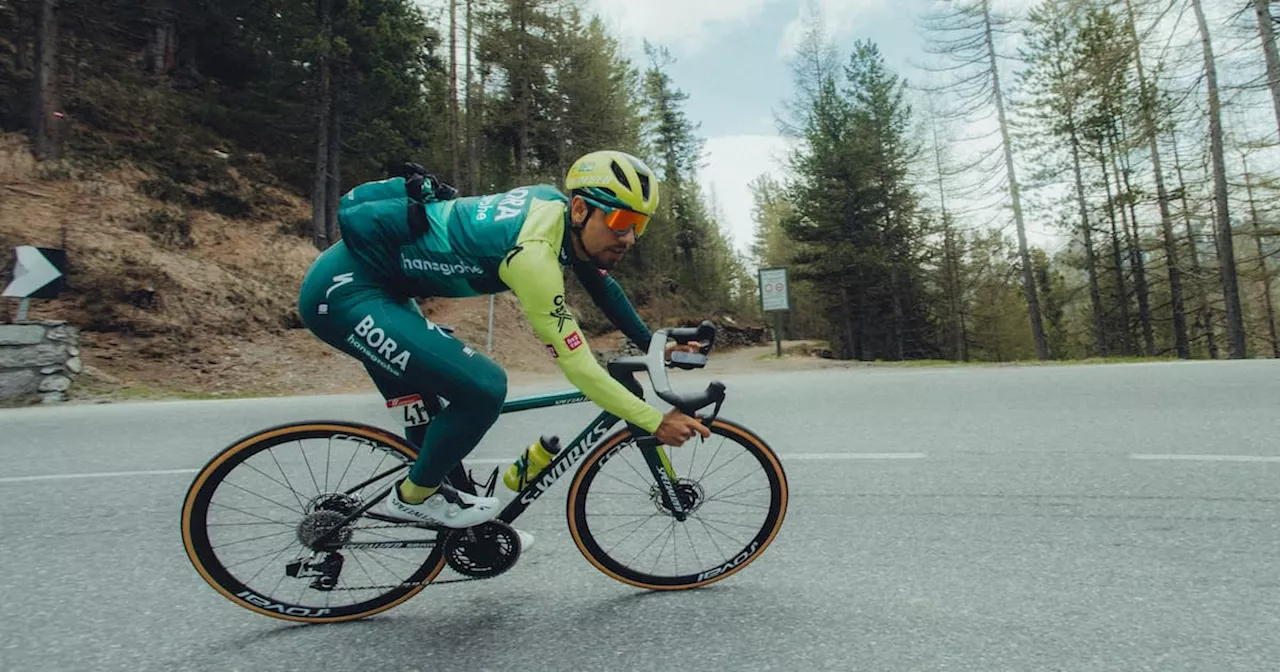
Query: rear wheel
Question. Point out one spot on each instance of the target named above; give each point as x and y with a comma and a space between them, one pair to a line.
257, 518
732, 485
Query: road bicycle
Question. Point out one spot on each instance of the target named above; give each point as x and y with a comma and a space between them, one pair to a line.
312, 548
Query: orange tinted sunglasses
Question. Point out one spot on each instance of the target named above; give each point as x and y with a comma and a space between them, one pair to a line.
621, 221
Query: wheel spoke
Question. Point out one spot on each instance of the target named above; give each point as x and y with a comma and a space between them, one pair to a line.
254, 557
617, 538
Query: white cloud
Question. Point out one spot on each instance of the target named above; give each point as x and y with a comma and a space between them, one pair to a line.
680, 25
838, 20
733, 161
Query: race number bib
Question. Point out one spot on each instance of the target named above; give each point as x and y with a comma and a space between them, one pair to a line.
410, 410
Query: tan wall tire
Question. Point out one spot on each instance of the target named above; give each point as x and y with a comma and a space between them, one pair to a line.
583, 537
200, 552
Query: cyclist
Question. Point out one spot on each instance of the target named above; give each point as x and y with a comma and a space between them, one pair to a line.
359, 295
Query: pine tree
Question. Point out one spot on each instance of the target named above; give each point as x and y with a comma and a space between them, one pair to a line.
966, 35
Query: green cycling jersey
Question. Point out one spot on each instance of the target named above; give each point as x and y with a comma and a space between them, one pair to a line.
517, 241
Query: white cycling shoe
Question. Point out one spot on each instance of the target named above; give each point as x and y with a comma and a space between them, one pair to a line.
445, 506
450, 508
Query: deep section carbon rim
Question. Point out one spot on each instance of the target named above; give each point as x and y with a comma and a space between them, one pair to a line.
253, 511
732, 484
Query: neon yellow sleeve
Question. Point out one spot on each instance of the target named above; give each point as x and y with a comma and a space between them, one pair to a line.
533, 273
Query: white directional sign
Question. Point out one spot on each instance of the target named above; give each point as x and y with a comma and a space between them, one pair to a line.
32, 272
773, 289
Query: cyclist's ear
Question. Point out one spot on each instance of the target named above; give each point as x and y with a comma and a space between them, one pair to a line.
579, 211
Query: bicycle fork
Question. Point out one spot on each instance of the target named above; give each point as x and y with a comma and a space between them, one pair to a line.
664, 475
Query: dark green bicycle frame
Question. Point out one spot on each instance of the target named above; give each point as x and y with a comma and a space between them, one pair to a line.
574, 451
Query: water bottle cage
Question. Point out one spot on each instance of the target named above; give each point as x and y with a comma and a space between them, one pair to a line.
488, 486
522, 470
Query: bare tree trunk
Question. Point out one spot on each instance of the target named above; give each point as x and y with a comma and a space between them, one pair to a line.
1226, 247
1133, 240
899, 329
848, 350
320, 179
860, 324
1262, 263
46, 124
522, 142
333, 172
1181, 345
1086, 232
162, 46
1122, 292
950, 255
455, 134
1206, 311
951, 261
471, 114
28, 16
1266, 32
1028, 278
482, 162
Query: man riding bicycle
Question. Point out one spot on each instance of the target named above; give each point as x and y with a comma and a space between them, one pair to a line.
359, 296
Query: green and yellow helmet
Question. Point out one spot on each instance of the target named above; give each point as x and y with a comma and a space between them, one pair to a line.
615, 180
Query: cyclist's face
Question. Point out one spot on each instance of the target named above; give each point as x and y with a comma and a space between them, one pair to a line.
602, 244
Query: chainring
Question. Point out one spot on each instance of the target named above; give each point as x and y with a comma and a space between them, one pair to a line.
483, 551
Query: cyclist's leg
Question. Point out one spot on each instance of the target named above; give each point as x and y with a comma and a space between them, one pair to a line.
480, 409
405, 354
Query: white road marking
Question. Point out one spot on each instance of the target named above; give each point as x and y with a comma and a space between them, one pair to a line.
100, 474
1210, 458
852, 456
476, 461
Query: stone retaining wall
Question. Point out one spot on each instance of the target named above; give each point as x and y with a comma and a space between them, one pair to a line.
38, 358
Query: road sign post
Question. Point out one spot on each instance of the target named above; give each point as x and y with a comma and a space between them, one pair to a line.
37, 274
775, 297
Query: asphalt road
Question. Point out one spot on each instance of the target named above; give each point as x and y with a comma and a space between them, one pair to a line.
986, 519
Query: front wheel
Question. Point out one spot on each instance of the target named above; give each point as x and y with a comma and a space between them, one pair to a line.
732, 486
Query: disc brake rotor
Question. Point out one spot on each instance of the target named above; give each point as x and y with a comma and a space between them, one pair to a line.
690, 493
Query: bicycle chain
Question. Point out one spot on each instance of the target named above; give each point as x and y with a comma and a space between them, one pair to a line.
402, 584
409, 584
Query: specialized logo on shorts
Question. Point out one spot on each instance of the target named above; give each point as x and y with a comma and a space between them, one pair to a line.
338, 281
378, 346
561, 313
574, 341
446, 269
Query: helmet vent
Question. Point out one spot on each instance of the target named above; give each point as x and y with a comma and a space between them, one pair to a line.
644, 186
622, 177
